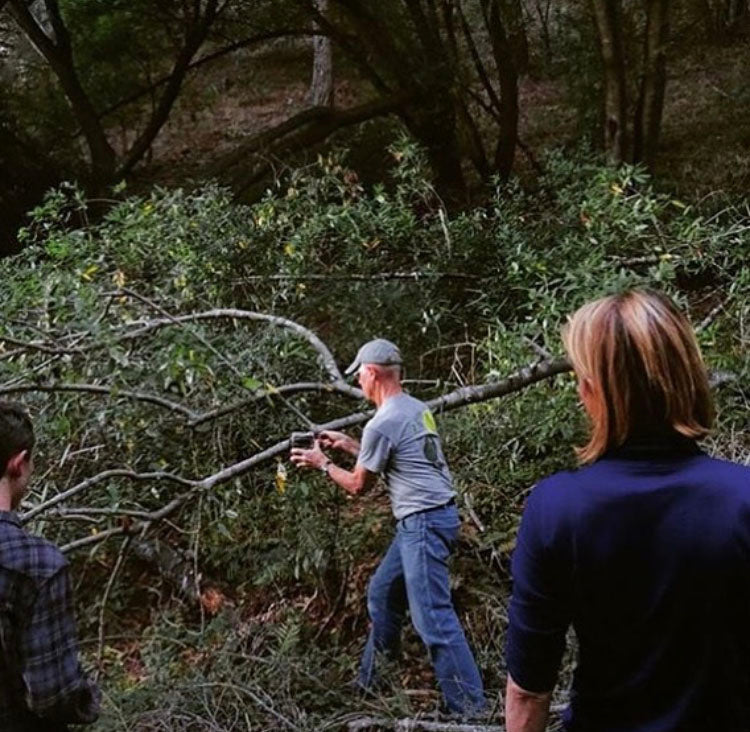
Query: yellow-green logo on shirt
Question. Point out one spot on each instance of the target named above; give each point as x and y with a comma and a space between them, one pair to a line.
429, 421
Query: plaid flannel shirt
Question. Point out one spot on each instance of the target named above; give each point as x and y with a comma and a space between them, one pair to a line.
42, 685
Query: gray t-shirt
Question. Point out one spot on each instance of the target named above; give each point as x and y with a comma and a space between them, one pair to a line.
401, 442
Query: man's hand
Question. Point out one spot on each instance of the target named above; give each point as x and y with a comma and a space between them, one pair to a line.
525, 711
339, 441
314, 458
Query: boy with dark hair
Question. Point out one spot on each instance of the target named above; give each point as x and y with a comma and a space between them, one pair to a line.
42, 685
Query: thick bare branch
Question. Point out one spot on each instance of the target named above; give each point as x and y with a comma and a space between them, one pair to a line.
326, 357
98, 478
455, 399
114, 392
57, 350
143, 328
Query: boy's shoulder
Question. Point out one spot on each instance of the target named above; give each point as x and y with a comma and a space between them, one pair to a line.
28, 554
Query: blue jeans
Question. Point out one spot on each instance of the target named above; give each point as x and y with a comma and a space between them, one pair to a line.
414, 574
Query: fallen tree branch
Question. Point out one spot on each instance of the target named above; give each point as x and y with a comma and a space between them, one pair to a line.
144, 327
97, 389
194, 418
326, 357
409, 725
98, 478
375, 277
460, 397
454, 400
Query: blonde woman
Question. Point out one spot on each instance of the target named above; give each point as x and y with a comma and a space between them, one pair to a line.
644, 551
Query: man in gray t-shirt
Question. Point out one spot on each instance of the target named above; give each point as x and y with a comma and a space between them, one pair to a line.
401, 443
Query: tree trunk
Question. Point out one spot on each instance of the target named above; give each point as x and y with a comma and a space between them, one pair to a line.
508, 77
59, 56
516, 30
653, 83
608, 17
321, 85
433, 123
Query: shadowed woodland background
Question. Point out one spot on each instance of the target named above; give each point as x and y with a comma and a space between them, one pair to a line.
210, 205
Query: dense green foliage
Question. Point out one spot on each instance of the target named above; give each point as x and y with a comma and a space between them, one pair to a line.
289, 558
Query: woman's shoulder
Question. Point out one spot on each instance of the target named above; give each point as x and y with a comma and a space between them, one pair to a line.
716, 473
720, 470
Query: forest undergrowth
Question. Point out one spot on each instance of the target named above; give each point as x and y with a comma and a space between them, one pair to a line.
159, 346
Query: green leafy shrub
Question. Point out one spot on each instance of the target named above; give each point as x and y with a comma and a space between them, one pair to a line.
487, 288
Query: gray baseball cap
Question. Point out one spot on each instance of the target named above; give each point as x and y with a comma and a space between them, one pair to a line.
379, 351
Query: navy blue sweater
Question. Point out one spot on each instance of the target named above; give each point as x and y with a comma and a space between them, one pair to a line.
646, 553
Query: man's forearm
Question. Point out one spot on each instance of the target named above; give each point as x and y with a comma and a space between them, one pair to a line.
352, 447
345, 479
525, 711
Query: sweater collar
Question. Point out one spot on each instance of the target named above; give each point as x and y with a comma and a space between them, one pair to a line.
654, 445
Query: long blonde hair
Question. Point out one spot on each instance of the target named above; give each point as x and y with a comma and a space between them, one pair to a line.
642, 365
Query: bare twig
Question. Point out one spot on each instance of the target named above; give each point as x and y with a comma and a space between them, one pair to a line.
270, 392
540, 351
469, 504
40, 346
353, 277
712, 315
102, 609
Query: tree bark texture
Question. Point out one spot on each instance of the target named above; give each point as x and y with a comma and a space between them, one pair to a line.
321, 85
650, 106
608, 17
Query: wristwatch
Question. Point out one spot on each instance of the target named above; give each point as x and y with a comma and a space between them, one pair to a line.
325, 466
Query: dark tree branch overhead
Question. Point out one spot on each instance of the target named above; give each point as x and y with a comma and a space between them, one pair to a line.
195, 36
208, 58
58, 53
